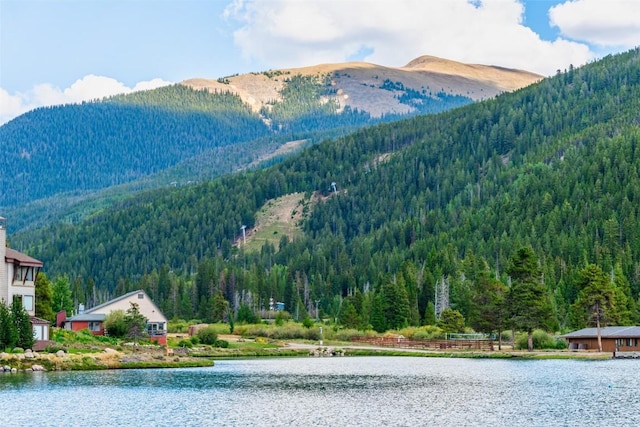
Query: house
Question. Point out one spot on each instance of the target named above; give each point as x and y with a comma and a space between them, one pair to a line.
93, 319
18, 280
615, 339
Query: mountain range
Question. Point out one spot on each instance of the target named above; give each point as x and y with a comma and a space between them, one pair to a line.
66, 162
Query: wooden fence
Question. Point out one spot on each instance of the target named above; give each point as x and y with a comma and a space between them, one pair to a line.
401, 342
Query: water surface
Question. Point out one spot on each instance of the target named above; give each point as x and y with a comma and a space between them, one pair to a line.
357, 391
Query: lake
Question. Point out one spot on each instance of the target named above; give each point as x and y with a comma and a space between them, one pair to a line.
349, 391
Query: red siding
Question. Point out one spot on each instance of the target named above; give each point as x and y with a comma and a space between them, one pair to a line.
80, 325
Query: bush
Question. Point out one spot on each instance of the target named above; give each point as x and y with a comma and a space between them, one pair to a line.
281, 317
185, 344
541, 341
246, 315
307, 322
177, 326
222, 344
115, 324
208, 335
428, 332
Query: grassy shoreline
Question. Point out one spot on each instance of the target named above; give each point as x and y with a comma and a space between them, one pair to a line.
83, 351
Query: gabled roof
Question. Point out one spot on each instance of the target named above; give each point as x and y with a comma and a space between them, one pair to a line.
607, 332
38, 321
14, 257
122, 297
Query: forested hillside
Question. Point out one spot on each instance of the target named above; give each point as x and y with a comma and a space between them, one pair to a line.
100, 144
478, 202
59, 158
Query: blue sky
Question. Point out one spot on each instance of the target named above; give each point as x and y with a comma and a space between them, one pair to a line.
60, 51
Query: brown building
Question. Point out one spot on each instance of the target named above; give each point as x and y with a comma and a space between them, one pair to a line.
614, 339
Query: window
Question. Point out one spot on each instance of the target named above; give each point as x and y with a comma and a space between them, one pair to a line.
95, 326
23, 274
27, 302
140, 296
155, 328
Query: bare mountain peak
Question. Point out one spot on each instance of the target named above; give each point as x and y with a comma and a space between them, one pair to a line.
361, 84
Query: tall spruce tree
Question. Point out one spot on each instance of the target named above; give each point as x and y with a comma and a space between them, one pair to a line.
596, 299
22, 323
44, 297
8, 329
528, 303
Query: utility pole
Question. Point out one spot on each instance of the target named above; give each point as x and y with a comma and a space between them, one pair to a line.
317, 317
244, 235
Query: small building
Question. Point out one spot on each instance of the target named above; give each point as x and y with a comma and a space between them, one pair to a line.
614, 339
18, 274
93, 318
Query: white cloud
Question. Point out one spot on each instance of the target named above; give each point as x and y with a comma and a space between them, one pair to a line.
611, 23
88, 88
292, 33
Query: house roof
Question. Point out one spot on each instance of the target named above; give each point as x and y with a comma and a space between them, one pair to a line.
85, 317
606, 332
122, 297
14, 257
38, 321
98, 317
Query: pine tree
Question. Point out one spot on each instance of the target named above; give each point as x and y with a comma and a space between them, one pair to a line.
22, 324
395, 304
377, 318
8, 330
596, 299
44, 297
527, 301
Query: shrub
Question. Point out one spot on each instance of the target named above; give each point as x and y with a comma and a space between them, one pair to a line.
541, 341
307, 322
115, 324
185, 344
281, 317
428, 332
207, 335
246, 315
313, 334
177, 326
222, 344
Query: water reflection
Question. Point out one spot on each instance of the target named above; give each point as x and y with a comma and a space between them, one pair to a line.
332, 391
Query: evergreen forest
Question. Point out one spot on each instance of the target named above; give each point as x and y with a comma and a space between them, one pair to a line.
507, 213
67, 162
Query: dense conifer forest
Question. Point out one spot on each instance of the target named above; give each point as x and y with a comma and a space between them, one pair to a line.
59, 159
511, 207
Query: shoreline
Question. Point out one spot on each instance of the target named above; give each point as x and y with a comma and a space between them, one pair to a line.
158, 358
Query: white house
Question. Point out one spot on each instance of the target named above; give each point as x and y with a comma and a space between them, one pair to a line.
93, 318
18, 280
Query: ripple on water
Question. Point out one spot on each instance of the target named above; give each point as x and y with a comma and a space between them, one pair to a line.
395, 391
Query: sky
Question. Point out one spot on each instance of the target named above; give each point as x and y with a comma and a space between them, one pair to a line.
63, 51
